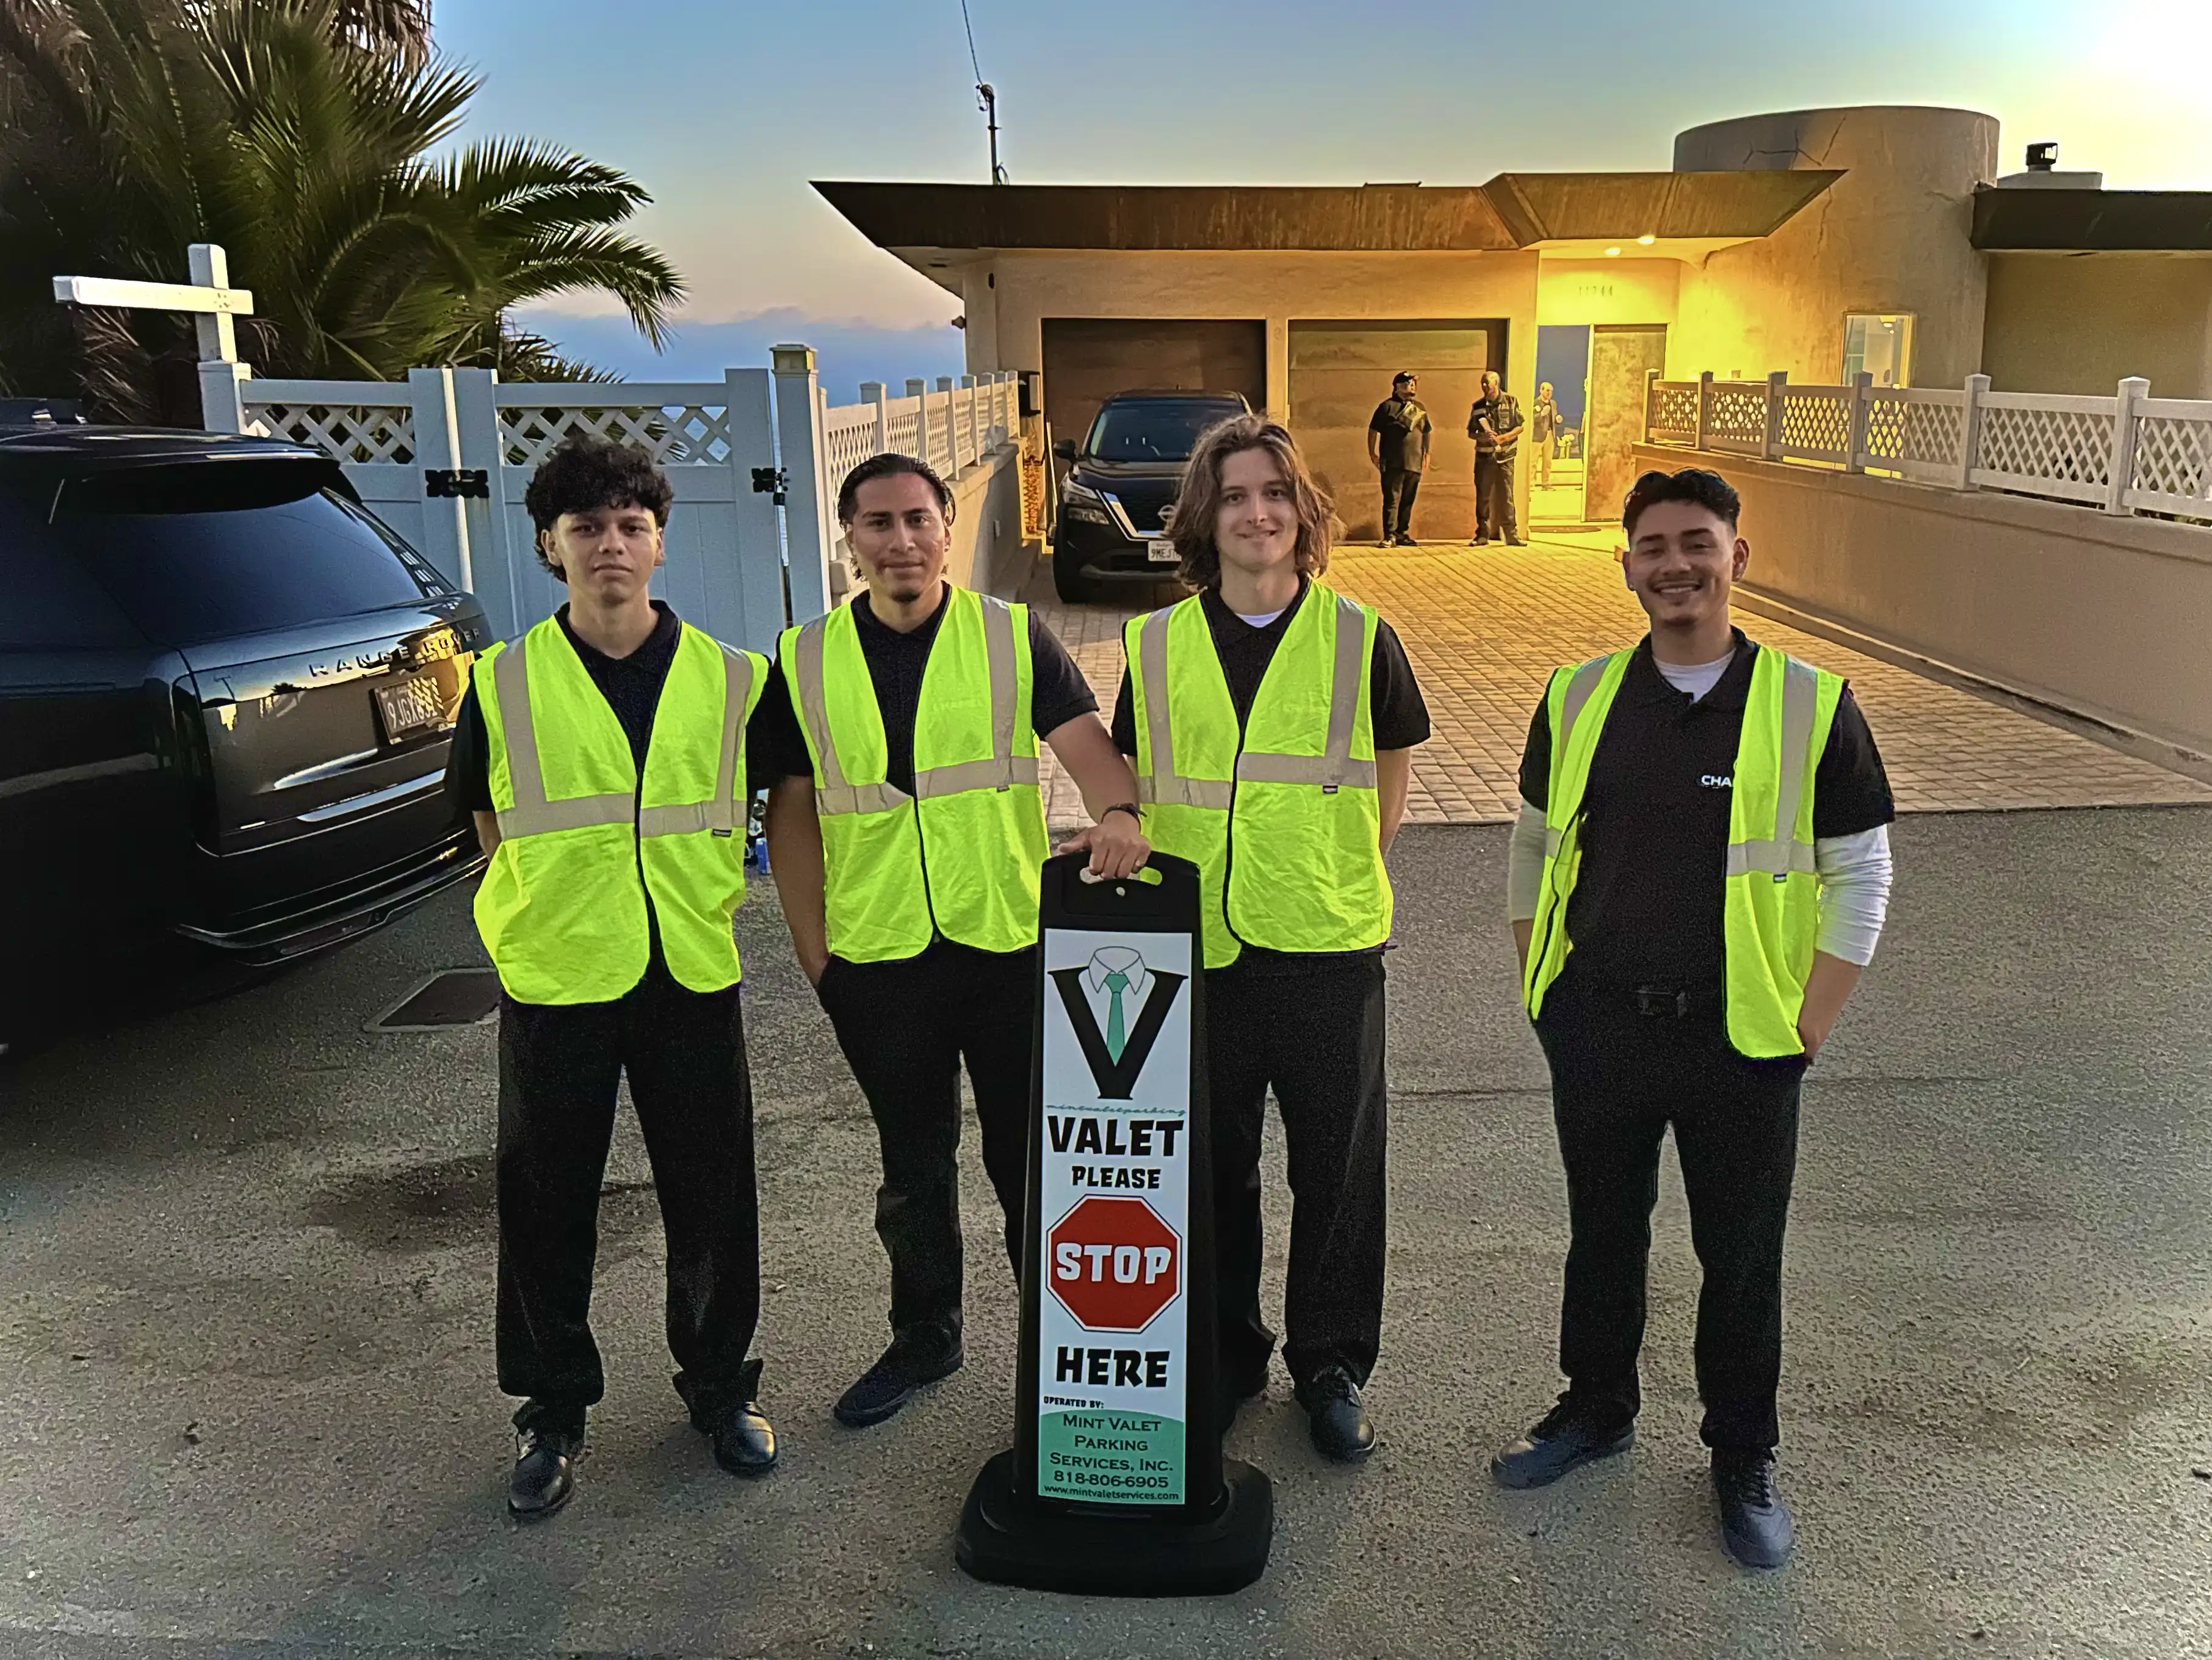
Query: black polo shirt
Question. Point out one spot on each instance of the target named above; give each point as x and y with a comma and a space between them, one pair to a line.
776, 747
1647, 905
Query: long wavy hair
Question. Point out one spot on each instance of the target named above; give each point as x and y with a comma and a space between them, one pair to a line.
1199, 502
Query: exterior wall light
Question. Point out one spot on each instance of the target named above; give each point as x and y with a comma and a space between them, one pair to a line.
1612, 254
1646, 240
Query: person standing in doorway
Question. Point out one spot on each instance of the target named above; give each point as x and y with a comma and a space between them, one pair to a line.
1699, 873
1398, 444
1543, 432
1494, 423
603, 757
1272, 721
908, 836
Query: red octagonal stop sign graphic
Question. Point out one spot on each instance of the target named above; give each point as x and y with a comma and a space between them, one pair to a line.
1114, 1263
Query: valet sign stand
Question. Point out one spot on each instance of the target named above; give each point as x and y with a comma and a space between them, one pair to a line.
1116, 1485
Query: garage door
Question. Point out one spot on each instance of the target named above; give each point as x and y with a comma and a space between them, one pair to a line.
1340, 371
1088, 359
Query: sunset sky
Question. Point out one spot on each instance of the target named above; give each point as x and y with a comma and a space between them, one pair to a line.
725, 111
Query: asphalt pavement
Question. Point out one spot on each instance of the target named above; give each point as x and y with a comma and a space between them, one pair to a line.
247, 1404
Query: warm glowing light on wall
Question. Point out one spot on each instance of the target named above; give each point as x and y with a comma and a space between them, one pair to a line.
1646, 240
1612, 254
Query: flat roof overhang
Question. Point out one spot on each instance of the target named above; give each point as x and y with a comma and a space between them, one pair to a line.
1687, 215
2092, 220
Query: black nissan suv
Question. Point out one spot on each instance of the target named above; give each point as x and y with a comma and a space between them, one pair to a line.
226, 695
1127, 471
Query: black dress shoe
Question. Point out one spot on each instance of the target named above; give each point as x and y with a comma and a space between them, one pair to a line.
1335, 1416
1514, 542
1564, 1439
744, 1441
544, 1472
1408, 541
889, 1384
1755, 1527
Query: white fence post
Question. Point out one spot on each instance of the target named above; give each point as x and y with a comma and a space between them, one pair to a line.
1776, 391
492, 552
1862, 409
222, 407
806, 514
951, 430
871, 392
1970, 430
1704, 408
2133, 390
438, 449
1651, 403
749, 396
974, 400
919, 391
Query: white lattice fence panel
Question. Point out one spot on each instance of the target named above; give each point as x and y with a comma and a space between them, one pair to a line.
849, 437
371, 433
1673, 416
2047, 448
903, 418
1816, 423
674, 435
1738, 421
2173, 461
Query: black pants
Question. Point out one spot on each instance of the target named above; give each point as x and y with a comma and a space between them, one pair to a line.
906, 1026
1493, 497
1619, 1079
559, 1067
1399, 487
1314, 1032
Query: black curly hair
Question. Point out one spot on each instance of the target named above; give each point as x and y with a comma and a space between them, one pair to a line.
585, 474
1698, 485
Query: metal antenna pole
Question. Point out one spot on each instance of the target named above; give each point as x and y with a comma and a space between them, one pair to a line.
991, 118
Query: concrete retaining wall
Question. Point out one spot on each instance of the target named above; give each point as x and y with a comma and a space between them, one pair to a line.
2105, 617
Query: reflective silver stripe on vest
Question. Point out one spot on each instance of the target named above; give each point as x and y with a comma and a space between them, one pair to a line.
1580, 689
1784, 856
1330, 770
1333, 767
1002, 771
532, 814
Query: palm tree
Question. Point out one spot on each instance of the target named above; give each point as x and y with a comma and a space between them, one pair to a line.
300, 140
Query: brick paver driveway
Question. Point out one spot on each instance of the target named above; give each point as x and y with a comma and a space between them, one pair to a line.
1484, 626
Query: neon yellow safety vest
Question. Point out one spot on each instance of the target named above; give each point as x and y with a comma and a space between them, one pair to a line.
583, 839
1772, 908
960, 856
1283, 820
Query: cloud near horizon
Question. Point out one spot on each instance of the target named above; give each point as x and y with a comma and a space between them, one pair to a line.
847, 351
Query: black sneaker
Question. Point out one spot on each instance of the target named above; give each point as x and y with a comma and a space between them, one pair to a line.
544, 1477
1478, 541
1567, 1438
1755, 1526
889, 1384
1408, 541
1335, 1416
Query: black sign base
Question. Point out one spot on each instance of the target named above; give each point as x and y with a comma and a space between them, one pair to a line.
1008, 1541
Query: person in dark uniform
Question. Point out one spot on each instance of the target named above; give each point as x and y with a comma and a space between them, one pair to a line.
1272, 721
1700, 871
908, 838
602, 756
1494, 423
1398, 446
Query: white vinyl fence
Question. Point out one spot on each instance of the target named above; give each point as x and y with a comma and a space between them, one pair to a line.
755, 460
2128, 453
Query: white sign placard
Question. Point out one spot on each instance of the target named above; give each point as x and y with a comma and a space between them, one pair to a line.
1115, 1192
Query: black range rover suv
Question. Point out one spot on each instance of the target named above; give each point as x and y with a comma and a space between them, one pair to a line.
226, 696
1127, 470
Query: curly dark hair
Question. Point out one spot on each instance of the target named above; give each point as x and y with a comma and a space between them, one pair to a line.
889, 464
585, 474
1698, 485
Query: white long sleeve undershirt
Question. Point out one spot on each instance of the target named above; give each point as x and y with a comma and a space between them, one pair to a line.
1855, 872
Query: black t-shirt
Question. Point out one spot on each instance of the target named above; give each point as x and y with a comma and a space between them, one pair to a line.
777, 747
1400, 715
1403, 425
1396, 708
1647, 905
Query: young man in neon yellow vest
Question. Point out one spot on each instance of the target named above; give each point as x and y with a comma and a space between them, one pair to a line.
1700, 871
1272, 721
907, 836
603, 755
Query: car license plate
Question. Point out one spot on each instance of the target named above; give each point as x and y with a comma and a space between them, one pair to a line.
1161, 551
411, 706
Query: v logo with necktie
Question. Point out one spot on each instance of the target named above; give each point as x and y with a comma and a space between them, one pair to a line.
1117, 1005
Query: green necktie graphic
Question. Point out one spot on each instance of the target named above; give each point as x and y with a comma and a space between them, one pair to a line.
1116, 983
